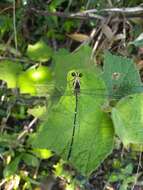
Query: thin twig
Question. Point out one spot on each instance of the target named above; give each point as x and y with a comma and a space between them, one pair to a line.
93, 32
110, 3
22, 60
27, 128
96, 44
129, 10
79, 15
137, 172
106, 21
3, 182
5, 9
14, 25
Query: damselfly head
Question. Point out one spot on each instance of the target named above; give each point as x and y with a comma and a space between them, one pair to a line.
74, 78
73, 75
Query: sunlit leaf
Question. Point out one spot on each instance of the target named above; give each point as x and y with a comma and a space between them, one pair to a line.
9, 72
40, 51
42, 74
42, 153
37, 111
36, 81
78, 37
25, 84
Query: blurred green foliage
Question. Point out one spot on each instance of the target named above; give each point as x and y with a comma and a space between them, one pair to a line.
34, 62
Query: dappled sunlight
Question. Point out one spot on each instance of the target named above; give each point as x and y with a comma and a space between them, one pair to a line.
35, 47
37, 75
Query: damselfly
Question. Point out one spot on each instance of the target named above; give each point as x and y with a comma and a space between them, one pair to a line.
76, 85
76, 126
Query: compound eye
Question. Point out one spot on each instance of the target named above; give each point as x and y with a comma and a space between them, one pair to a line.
73, 74
80, 74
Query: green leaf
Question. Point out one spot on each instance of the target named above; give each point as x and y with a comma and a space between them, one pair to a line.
121, 76
39, 51
7, 140
124, 186
9, 72
30, 159
42, 153
5, 24
128, 169
93, 139
116, 177
42, 74
37, 111
137, 147
25, 84
138, 42
12, 167
127, 118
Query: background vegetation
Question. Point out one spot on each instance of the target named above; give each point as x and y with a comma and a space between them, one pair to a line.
40, 41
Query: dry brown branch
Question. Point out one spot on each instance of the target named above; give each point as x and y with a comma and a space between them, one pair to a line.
82, 15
